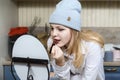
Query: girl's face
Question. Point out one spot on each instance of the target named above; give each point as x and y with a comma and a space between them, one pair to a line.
61, 35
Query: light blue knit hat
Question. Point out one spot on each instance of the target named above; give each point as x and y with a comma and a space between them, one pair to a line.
67, 13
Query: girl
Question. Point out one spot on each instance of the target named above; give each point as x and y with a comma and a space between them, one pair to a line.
75, 54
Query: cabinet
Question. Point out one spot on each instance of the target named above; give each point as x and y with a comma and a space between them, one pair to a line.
97, 11
112, 70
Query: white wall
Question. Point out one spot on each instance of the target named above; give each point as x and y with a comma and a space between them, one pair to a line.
8, 19
29, 10
94, 13
101, 13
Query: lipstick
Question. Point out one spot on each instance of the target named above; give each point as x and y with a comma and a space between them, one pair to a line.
51, 48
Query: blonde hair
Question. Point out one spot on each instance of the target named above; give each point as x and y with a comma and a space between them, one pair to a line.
75, 45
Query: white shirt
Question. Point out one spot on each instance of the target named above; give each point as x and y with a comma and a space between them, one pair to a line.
92, 68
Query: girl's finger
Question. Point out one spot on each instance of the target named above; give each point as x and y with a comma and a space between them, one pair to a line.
53, 52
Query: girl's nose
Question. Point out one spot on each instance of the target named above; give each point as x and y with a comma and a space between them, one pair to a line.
54, 33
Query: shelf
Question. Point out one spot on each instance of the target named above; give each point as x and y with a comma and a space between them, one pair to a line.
45, 1
58, 0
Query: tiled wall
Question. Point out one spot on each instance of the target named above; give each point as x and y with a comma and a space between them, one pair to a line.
110, 34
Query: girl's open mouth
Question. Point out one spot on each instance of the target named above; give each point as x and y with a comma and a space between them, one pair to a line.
55, 41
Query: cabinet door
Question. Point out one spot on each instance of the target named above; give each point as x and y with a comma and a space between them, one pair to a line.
112, 72
8, 74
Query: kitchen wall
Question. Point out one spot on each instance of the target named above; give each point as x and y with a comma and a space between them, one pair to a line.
94, 13
8, 19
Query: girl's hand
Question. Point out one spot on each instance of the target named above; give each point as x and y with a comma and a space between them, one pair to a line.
58, 55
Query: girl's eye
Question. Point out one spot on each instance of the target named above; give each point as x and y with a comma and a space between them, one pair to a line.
51, 28
60, 29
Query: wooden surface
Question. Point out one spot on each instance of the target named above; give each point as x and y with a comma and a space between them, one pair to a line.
117, 63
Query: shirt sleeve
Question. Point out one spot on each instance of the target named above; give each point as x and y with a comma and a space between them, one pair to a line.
62, 72
92, 61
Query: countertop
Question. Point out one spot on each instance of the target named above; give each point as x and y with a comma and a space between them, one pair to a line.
114, 63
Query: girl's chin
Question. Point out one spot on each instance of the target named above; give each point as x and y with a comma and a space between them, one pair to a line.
59, 45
